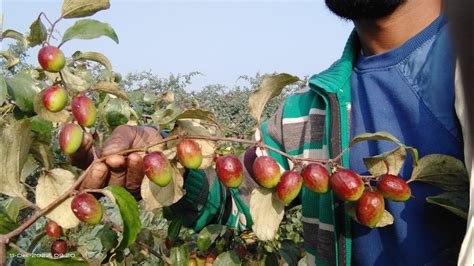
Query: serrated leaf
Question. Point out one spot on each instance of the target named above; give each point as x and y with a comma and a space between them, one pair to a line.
193, 127
180, 255
270, 87
83, 8
94, 56
15, 139
155, 196
455, 202
22, 88
128, 207
11, 59
3, 89
442, 171
112, 88
377, 165
89, 29
51, 186
72, 81
267, 213
228, 258
13, 34
57, 117
41, 261
208, 235
38, 33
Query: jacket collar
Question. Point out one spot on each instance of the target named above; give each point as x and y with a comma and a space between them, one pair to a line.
334, 79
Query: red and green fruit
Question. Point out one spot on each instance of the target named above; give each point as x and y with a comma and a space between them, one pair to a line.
393, 188
70, 138
266, 171
230, 170
346, 184
53, 229
59, 248
55, 98
289, 186
316, 178
210, 259
84, 111
51, 59
189, 154
370, 208
87, 208
157, 168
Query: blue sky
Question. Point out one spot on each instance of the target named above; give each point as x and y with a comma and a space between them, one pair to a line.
222, 39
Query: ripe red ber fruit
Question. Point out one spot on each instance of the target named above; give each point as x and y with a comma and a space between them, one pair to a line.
346, 184
53, 229
370, 208
316, 178
393, 188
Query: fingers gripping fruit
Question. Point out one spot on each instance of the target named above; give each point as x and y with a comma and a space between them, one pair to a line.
289, 186
84, 111
157, 168
393, 188
189, 154
70, 138
55, 98
266, 171
51, 59
316, 178
370, 208
230, 170
346, 184
87, 208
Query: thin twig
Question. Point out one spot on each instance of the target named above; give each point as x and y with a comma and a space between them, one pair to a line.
22, 251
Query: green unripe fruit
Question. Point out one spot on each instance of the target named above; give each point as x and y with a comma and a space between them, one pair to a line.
87, 208
51, 59
70, 138
230, 170
55, 98
289, 186
370, 208
189, 154
84, 111
157, 168
266, 171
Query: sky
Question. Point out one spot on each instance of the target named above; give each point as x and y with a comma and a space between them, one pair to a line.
222, 39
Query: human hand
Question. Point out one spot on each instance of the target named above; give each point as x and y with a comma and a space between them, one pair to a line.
119, 170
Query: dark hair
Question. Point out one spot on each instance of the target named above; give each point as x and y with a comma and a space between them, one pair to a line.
363, 9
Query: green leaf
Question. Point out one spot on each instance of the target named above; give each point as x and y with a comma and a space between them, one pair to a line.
40, 125
15, 139
270, 87
174, 228
83, 8
11, 59
23, 88
13, 34
6, 223
112, 88
58, 117
128, 207
108, 237
455, 202
115, 111
209, 234
228, 258
12, 207
166, 118
377, 165
40, 261
3, 89
180, 255
93, 56
442, 171
89, 29
38, 33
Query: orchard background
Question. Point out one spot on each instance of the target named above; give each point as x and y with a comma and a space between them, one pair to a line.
39, 183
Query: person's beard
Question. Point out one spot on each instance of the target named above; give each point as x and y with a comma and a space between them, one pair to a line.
363, 9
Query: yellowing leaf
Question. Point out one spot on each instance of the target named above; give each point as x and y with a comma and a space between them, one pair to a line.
387, 219
158, 197
267, 213
112, 88
270, 87
93, 56
73, 81
50, 186
83, 8
15, 140
377, 165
